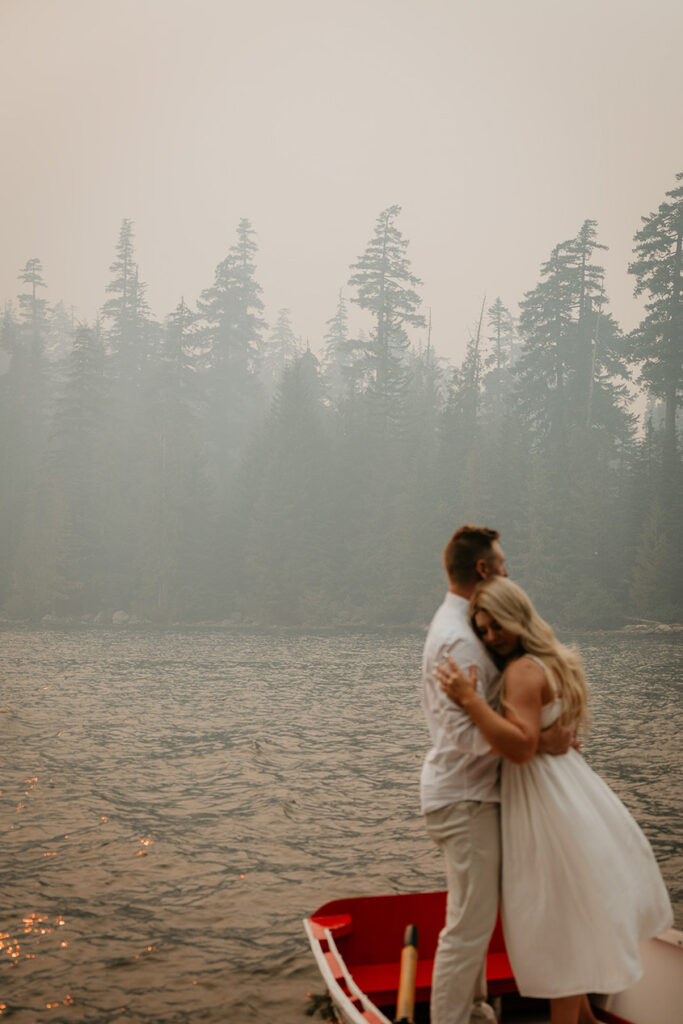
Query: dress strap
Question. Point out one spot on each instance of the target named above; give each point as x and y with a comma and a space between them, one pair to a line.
548, 674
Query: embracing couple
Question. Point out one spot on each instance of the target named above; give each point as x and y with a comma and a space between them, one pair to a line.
580, 886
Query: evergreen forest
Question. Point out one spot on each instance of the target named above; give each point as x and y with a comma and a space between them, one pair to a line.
211, 468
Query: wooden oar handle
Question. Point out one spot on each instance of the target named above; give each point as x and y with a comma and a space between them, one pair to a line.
405, 1003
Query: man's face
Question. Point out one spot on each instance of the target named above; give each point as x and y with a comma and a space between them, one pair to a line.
495, 563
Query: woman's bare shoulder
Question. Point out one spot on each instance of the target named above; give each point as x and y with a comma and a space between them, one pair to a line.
525, 671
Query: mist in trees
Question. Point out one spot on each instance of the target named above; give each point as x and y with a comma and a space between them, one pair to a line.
212, 467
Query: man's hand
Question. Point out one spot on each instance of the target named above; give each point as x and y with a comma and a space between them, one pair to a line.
557, 739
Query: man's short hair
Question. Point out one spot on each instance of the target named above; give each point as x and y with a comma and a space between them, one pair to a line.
465, 548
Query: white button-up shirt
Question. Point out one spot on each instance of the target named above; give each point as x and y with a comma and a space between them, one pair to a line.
461, 764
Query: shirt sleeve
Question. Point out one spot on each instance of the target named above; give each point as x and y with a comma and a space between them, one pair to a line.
456, 724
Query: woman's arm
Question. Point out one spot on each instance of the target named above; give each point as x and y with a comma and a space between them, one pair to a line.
516, 735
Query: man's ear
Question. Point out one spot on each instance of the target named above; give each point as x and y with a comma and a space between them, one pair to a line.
483, 569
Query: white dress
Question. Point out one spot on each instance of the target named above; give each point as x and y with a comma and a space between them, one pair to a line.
580, 885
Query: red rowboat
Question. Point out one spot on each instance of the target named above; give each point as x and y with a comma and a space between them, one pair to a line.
357, 944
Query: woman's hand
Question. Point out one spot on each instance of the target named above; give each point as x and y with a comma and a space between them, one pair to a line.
455, 684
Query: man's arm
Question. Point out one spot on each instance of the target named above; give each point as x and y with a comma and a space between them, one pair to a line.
558, 738
460, 730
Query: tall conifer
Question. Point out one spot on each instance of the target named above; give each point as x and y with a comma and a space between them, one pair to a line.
657, 343
385, 287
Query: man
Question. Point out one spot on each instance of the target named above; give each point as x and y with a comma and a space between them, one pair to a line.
459, 786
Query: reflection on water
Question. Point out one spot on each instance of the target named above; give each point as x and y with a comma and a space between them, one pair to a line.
173, 803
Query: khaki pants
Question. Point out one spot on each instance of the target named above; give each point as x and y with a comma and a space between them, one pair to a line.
468, 834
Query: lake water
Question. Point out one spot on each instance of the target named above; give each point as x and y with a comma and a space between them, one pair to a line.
173, 803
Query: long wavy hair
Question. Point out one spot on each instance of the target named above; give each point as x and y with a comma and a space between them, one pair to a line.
509, 605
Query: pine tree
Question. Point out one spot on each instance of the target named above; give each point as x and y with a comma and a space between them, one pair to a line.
9, 333
571, 392
130, 332
76, 469
26, 405
573, 353
657, 347
425, 393
589, 301
657, 344
12, 447
179, 348
281, 349
61, 333
131, 340
544, 365
649, 600
231, 309
231, 328
466, 382
344, 363
498, 377
174, 505
386, 288
502, 337
284, 559
33, 313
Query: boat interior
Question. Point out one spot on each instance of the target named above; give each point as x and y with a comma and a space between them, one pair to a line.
358, 943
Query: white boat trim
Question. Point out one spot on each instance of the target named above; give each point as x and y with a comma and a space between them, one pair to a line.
342, 1000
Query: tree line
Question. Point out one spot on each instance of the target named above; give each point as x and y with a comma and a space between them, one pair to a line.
211, 467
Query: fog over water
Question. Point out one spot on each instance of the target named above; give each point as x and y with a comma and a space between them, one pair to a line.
174, 802
288, 292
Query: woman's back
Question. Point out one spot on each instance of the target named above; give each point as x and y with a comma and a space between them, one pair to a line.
580, 884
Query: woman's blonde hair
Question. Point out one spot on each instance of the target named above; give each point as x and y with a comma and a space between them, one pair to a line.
510, 606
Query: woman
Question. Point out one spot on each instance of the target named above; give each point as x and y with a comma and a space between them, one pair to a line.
580, 884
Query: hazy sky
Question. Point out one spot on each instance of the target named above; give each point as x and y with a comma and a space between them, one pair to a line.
497, 125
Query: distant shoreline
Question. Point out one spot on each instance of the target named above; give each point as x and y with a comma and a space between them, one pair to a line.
123, 622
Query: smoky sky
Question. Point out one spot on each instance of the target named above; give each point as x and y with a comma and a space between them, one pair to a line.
497, 126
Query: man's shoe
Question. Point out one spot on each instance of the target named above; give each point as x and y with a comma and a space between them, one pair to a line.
482, 1013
